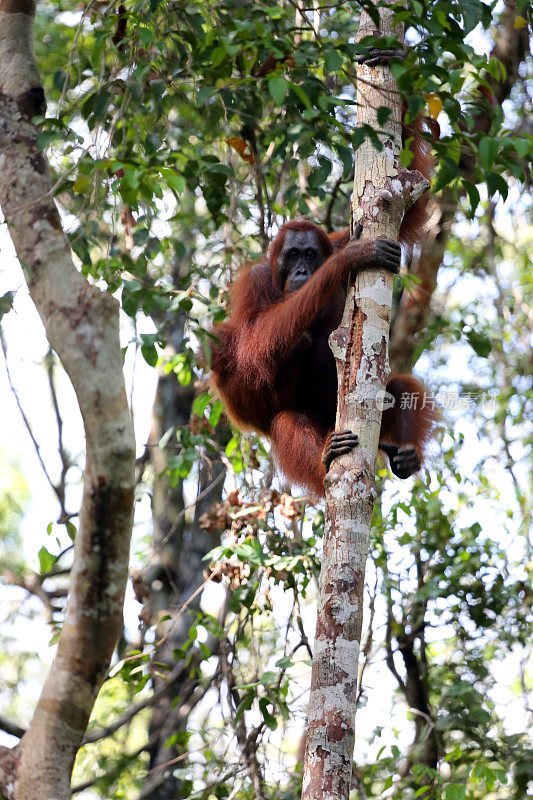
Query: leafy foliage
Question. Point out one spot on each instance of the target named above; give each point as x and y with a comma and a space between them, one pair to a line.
180, 134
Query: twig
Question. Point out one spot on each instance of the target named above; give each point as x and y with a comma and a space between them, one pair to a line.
65, 461
208, 489
246, 742
368, 640
102, 733
26, 420
329, 211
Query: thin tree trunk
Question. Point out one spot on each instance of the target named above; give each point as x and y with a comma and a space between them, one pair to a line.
82, 325
382, 192
176, 569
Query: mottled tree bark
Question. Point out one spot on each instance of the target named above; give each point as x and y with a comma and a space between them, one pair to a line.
82, 326
382, 192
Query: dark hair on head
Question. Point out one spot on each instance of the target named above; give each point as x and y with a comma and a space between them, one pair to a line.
297, 225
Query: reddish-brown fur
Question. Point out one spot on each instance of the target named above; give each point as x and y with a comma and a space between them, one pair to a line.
275, 372
424, 161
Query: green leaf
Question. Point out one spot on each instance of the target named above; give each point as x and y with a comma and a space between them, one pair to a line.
140, 237
201, 403
373, 12
243, 596
269, 678
251, 552
46, 560
174, 180
6, 303
101, 101
139, 686
277, 87
244, 705
71, 530
232, 445
152, 143
81, 185
497, 183
217, 56
332, 60
472, 11
383, 115
149, 354
216, 412
480, 343
488, 150
204, 94
455, 791
270, 721
302, 206
473, 196
147, 36
406, 156
318, 175
60, 77
180, 737
346, 156
447, 172
523, 146
157, 88
318, 520
301, 94
221, 169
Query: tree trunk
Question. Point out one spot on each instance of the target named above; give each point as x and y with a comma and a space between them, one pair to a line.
176, 569
382, 192
82, 325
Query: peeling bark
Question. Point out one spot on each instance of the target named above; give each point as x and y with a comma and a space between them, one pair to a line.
82, 325
383, 190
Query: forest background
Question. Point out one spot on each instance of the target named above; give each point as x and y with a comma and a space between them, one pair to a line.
179, 137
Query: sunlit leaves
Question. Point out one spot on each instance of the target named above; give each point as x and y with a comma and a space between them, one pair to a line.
46, 560
434, 104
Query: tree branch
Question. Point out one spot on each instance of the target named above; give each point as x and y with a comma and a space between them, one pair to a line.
82, 326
